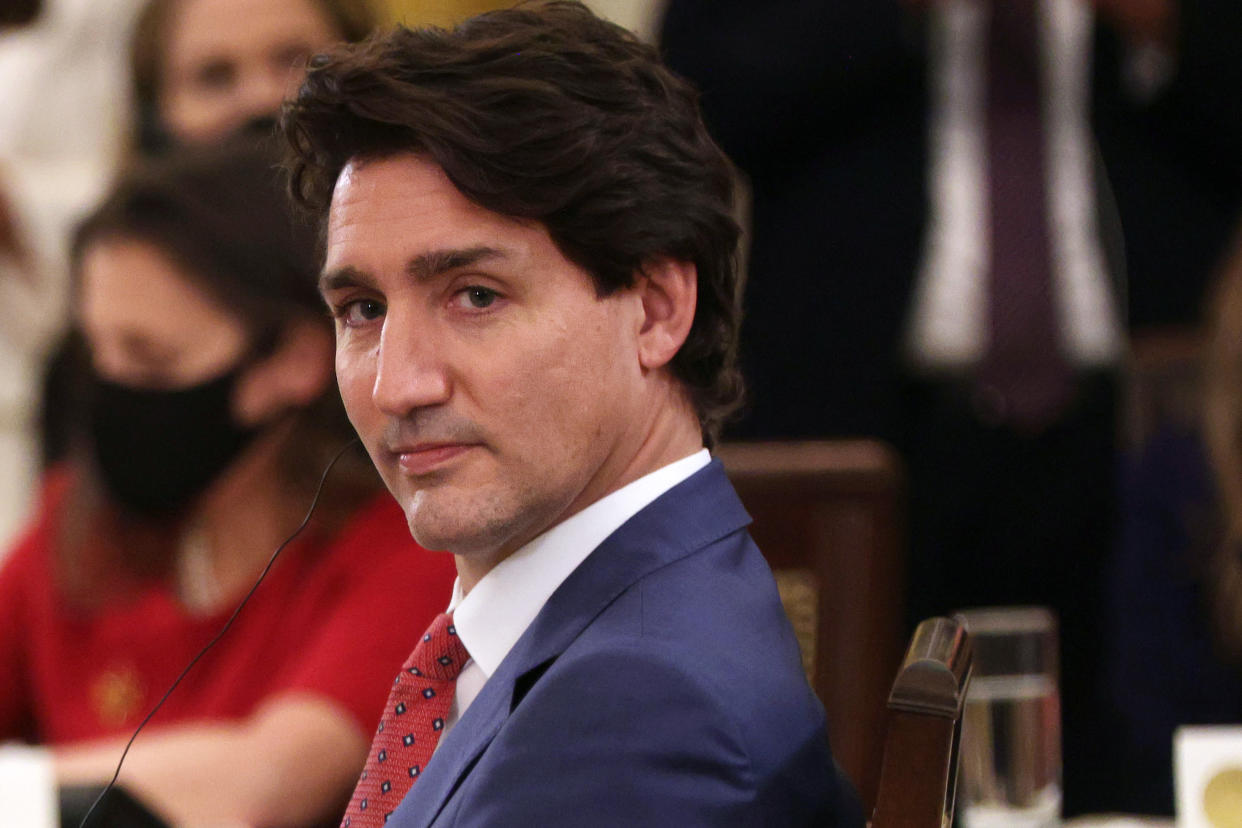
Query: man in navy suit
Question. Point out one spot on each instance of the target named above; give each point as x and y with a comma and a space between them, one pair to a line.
530, 255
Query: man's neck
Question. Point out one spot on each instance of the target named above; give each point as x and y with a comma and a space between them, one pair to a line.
672, 435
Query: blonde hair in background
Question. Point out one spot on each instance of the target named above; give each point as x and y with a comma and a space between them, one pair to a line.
1222, 426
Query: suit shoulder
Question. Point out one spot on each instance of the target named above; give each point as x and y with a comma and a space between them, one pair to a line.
633, 736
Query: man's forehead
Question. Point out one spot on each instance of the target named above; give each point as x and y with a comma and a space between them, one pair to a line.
403, 211
391, 195
366, 176
398, 184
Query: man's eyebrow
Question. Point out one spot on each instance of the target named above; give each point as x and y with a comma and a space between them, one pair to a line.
422, 267
343, 277
436, 262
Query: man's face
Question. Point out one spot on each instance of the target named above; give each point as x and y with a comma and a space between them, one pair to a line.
495, 392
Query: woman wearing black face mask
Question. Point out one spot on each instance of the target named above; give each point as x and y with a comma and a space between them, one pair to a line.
203, 71
206, 412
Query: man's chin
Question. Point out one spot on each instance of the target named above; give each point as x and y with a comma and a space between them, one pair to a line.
439, 527
474, 521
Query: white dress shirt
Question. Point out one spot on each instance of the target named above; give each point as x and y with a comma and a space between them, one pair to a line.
493, 616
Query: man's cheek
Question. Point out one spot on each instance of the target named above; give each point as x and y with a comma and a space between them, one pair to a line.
355, 382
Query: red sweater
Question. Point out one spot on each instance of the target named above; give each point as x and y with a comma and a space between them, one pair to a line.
335, 618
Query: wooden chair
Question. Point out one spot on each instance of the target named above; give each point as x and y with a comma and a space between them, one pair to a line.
918, 778
827, 515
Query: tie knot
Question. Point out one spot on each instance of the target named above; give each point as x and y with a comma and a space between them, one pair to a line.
440, 654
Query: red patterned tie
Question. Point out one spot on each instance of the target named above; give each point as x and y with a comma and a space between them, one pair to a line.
411, 725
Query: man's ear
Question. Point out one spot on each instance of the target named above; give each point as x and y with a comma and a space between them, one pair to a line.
669, 290
292, 376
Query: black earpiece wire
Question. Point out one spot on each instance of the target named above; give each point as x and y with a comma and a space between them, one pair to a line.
224, 629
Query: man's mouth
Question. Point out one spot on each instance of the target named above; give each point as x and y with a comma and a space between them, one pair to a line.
424, 458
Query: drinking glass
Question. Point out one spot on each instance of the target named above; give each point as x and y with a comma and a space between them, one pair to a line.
1010, 772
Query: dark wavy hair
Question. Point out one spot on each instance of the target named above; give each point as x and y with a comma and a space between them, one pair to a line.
547, 112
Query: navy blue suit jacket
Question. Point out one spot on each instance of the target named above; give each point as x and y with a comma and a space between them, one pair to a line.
659, 685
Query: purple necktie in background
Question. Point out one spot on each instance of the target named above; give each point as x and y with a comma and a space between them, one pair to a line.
1024, 365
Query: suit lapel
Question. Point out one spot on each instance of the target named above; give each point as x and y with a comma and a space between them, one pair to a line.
696, 512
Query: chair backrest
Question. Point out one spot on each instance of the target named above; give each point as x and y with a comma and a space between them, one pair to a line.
918, 777
827, 515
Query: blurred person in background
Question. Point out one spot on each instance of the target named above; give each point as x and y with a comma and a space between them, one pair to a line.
1175, 645
1169, 128
62, 127
203, 69
199, 69
936, 261
210, 411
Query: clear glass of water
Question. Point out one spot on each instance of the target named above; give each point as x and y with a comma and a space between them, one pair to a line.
1010, 772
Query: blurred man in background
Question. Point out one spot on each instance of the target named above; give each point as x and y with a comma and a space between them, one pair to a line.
937, 261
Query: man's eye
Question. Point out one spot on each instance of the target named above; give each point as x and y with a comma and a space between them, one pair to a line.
359, 312
478, 297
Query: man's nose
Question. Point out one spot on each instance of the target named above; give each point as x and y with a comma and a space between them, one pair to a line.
410, 370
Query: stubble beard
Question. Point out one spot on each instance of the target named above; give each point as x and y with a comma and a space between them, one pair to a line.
480, 524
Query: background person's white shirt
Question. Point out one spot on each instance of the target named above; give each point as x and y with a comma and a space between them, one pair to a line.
64, 114
949, 328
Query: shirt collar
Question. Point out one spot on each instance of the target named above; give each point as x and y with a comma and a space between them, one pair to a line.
506, 600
